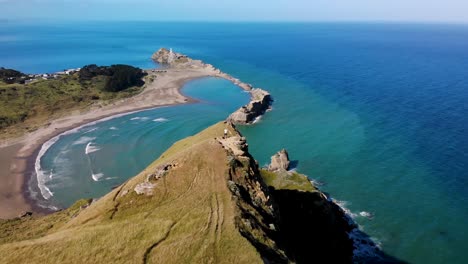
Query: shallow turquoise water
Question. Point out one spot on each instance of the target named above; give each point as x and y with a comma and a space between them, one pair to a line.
377, 112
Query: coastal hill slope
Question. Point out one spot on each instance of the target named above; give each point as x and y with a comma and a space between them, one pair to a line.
205, 200
30, 101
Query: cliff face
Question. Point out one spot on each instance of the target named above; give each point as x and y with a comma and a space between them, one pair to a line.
282, 214
205, 200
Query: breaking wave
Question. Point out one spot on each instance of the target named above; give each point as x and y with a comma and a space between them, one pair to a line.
161, 119
97, 176
140, 118
90, 148
40, 174
365, 247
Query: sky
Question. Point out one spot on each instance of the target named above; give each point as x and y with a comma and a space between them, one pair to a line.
448, 11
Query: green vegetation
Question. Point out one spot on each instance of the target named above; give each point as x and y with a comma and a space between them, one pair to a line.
11, 76
118, 77
287, 181
26, 107
31, 227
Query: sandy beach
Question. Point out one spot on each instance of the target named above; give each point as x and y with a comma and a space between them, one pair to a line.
17, 156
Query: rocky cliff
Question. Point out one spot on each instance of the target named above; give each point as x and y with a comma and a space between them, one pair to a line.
260, 102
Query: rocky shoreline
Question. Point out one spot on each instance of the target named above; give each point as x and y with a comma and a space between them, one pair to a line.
260, 100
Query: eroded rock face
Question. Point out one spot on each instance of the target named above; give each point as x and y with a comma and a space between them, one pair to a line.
279, 161
258, 105
145, 188
160, 172
237, 145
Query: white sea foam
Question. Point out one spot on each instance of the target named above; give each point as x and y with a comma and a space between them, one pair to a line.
113, 128
317, 183
366, 214
140, 118
161, 119
365, 247
257, 119
91, 130
90, 148
40, 174
342, 205
97, 176
83, 140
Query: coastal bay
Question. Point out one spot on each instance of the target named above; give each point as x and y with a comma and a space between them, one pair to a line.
19, 155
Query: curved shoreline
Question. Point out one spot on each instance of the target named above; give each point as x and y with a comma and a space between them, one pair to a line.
164, 91
31, 154
31, 171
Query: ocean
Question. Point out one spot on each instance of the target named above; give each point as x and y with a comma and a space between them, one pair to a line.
376, 113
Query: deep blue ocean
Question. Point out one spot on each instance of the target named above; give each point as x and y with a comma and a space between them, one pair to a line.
377, 113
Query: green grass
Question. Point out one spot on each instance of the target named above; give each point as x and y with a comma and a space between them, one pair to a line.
27, 228
287, 181
26, 107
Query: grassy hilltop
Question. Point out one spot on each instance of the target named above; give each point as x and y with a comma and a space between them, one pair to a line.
200, 202
28, 102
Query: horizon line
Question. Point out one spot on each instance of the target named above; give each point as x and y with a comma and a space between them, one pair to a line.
343, 21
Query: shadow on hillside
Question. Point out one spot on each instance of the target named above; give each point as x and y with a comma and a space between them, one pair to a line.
313, 229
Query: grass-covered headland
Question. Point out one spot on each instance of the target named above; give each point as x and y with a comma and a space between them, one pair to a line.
29, 101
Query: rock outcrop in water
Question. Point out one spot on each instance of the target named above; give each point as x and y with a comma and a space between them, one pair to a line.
259, 104
279, 161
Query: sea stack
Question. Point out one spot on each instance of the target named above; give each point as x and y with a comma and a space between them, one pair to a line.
279, 161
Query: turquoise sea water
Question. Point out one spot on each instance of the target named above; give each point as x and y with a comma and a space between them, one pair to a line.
377, 112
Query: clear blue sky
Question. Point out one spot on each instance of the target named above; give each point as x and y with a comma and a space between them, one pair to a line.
239, 10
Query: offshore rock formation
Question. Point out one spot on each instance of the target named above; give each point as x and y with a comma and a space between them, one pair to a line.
279, 161
259, 104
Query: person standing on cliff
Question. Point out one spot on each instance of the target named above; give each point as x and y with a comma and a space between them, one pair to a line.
225, 133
